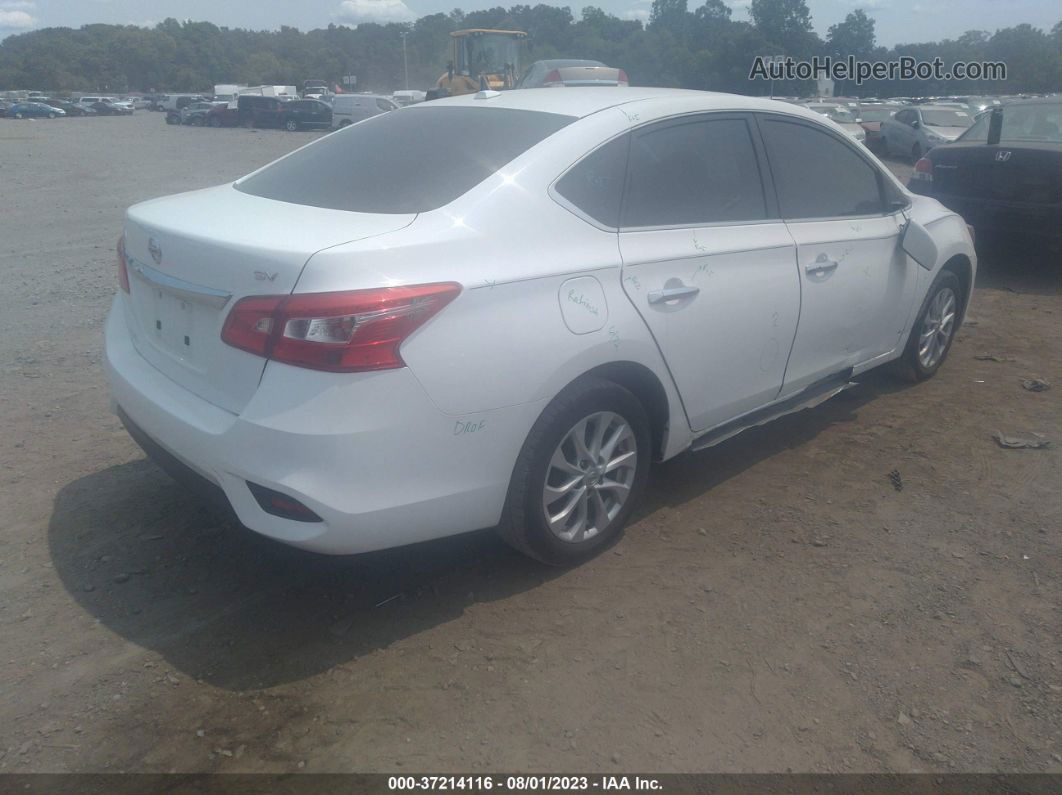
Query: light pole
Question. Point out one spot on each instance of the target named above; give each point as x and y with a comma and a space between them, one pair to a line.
405, 63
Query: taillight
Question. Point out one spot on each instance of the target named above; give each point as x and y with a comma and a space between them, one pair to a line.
622, 79
339, 332
553, 79
923, 170
123, 266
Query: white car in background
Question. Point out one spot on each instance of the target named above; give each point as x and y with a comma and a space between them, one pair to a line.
349, 109
913, 131
843, 116
363, 352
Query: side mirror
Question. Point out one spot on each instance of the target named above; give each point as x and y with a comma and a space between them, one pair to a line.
919, 245
916, 124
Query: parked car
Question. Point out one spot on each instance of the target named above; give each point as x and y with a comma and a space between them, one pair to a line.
359, 351
105, 108
843, 117
69, 108
223, 114
4, 105
256, 110
177, 101
408, 96
912, 132
571, 72
89, 101
1004, 174
870, 118
195, 113
300, 114
352, 108
29, 110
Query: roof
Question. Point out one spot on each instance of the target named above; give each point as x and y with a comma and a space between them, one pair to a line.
582, 102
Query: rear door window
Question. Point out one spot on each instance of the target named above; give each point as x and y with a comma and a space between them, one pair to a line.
695, 172
817, 175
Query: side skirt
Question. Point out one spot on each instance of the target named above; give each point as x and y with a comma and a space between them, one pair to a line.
812, 396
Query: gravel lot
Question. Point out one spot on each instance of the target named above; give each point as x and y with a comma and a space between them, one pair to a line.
778, 604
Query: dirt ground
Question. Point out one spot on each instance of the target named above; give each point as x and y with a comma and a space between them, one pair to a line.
777, 605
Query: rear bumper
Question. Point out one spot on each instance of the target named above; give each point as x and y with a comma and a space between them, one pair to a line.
369, 453
1005, 216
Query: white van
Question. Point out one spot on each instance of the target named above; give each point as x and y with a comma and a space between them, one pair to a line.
351, 108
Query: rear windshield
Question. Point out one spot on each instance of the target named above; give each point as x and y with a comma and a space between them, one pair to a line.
407, 161
876, 114
946, 118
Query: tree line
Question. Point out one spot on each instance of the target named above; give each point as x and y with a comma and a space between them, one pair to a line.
703, 48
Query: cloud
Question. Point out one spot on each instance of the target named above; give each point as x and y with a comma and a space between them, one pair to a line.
12, 18
640, 14
382, 11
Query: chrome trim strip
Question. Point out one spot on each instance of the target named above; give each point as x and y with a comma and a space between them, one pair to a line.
196, 293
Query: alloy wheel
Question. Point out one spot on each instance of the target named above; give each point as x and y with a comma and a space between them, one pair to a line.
937, 328
589, 476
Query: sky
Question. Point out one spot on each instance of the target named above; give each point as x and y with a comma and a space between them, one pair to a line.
898, 21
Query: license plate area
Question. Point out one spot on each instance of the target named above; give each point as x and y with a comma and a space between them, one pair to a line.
178, 317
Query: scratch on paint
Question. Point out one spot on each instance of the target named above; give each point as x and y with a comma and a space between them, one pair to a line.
634, 281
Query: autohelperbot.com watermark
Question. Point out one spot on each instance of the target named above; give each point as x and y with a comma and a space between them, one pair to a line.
906, 67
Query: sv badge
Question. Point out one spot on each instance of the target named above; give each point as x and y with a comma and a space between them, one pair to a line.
264, 276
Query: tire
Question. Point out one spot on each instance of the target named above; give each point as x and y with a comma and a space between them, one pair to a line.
215, 122
916, 153
598, 408
18, 115
196, 121
914, 365
53, 116
291, 125
344, 123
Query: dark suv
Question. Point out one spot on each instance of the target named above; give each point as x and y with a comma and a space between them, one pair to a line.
258, 111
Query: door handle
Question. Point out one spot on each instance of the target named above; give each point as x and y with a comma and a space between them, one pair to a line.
672, 293
822, 264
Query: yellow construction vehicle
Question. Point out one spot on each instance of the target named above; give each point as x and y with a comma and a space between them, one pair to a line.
480, 59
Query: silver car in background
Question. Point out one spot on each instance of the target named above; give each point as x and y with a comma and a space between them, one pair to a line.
571, 72
913, 131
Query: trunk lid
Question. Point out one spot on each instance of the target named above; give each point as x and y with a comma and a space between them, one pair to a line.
1028, 174
191, 257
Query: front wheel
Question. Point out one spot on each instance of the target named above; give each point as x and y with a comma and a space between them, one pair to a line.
579, 474
53, 116
18, 115
934, 329
291, 125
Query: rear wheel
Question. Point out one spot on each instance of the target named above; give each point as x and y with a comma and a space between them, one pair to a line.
18, 115
934, 329
579, 474
291, 125
215, 121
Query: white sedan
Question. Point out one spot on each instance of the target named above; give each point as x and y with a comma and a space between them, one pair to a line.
497, 309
